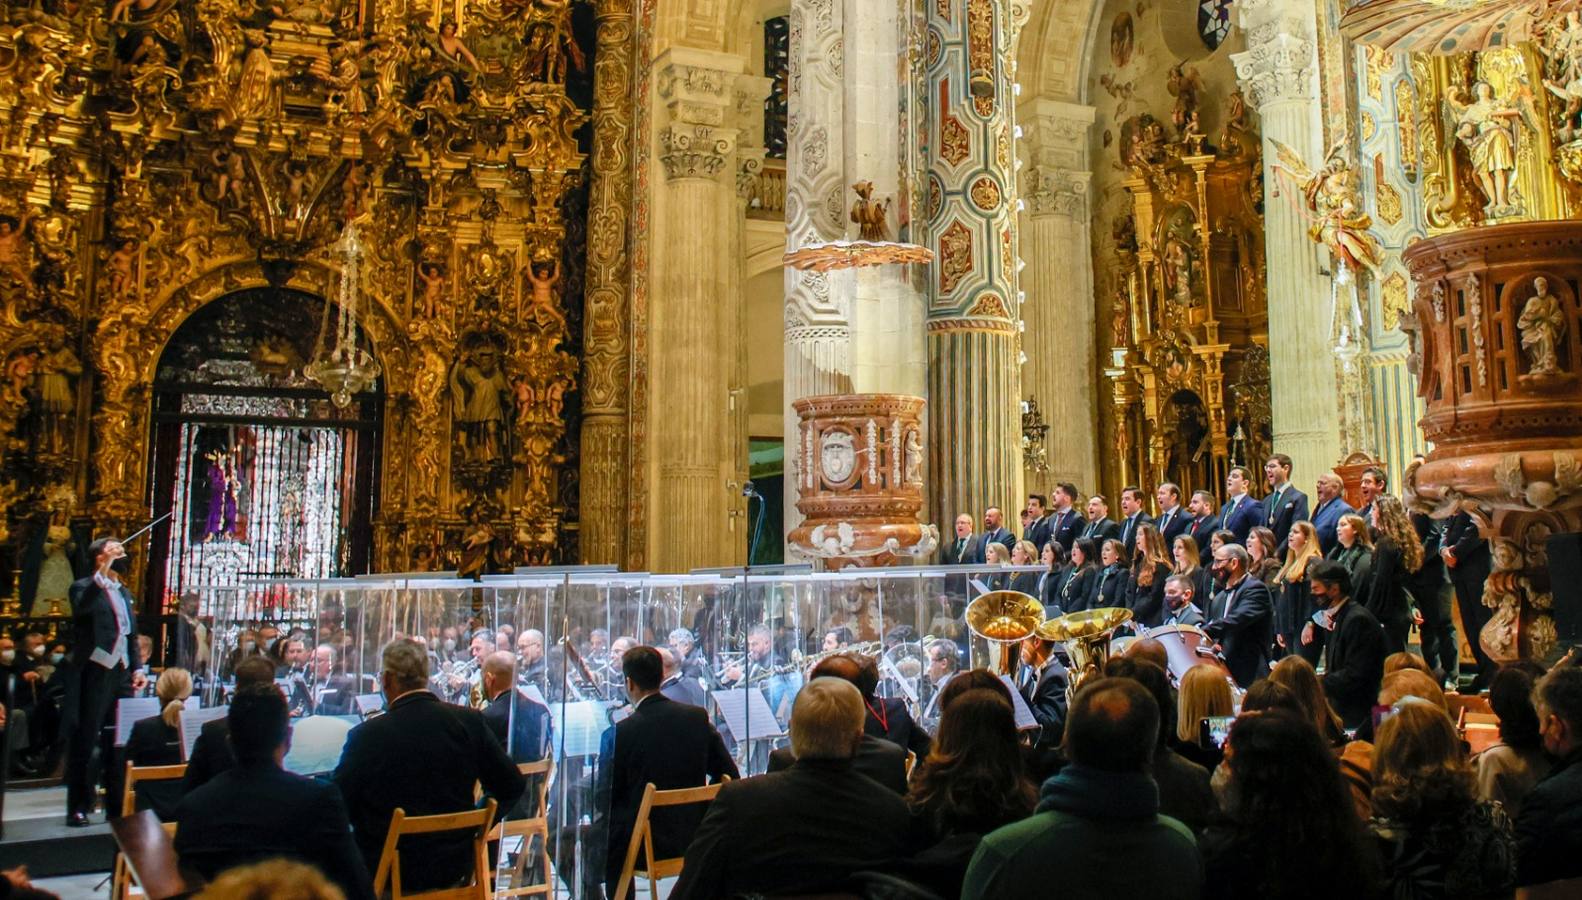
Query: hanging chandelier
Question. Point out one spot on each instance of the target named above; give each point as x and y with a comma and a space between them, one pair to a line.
343, 369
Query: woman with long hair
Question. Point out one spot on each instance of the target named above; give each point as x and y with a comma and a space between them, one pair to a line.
1289, 829
1110, 590
1437, 839
1077, 592
1261, 546
1145, 594
1025, 553
1293, 603
156, 741
971, 783
1054, 575
1397, 555
996, 554
1514, 764
1189, 563
1204, 692
1298, 675
1354, 550
1220, 538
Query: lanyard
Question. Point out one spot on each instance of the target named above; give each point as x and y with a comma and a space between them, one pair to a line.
881, 714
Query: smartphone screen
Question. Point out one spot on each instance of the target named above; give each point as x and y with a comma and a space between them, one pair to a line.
1214, 730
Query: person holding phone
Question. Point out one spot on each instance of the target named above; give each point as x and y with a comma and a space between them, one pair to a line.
104, 666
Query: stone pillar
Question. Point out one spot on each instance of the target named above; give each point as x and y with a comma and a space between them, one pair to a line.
690, 388
749, 94
1279, 74
974, 376
605, 370
1060, 341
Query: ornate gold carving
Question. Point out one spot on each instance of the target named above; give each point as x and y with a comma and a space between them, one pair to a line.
985, 193
1393, 300
955, 256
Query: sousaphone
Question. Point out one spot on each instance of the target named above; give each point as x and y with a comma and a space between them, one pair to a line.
1086, 635
1004, 618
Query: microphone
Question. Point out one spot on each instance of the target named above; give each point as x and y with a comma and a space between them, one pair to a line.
748, 490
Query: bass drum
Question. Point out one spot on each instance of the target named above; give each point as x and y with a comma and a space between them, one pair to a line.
1187, 646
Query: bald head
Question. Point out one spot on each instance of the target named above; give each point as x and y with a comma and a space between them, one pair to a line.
668, 658
499, 670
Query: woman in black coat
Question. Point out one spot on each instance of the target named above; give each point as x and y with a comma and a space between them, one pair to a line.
1024, 554
1076, 594
1145, 595
1050, 583
1114, 579
1397, 556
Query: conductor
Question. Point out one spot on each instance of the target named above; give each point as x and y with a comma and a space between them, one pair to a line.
104, 665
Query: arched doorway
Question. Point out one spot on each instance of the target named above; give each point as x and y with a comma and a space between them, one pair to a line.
263, 475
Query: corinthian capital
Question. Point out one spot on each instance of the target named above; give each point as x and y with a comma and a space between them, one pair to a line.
695, 151
696, 86
1279, 62
1059, 192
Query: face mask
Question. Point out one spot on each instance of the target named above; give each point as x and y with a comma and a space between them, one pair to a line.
37, 651
7, 656
57, 658
248, 646
121, 566
450, 645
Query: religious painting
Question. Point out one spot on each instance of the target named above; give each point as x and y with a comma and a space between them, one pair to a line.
1121, 39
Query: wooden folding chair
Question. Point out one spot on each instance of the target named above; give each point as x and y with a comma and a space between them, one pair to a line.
643, 836
541, 773
121, 883
475, 820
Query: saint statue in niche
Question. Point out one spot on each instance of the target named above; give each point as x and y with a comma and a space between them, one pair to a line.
54, 381
1543, 326
222, 496
480, 393
1487, 128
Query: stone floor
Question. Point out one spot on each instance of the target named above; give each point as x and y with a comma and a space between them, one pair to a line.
43, 803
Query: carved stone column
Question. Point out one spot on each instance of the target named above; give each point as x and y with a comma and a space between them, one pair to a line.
1060, 340
974, 374
606, 352
1279, 74
690, 394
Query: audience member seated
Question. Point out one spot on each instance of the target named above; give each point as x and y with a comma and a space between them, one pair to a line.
1150, 650
887, 717
1266, 696
1512, 766
664, 743
1549, 830
1435, 837
426, 757
276, 879
211, 753
1184, 789
1289, 830
1404, 659
1354, 658
806, 829
155, 741
1204, 693
1297, 675
972, 782
256, 810
1100, 814
15, 885
877, 758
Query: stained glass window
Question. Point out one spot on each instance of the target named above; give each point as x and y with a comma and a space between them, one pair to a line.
1213, 22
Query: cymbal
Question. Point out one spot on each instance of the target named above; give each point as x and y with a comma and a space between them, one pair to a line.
1005, 616
1087, 623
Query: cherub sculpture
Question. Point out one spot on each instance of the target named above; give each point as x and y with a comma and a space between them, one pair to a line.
1331, 206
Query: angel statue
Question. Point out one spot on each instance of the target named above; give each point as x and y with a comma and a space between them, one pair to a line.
1563, 49
1486, 126
869, 214
1330, 205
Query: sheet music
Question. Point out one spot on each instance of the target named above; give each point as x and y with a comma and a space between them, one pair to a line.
368, 703
747, 712
192, 721
1024, 713
578, 727
128, 710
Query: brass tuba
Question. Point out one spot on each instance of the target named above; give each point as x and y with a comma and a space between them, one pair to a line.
1086, 635
1004, 618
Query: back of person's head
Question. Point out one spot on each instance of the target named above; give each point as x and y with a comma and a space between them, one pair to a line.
1411, 683
258, 720
275, 879
1511, 699
642, 666
1297, 674
1155, 679
1420, 767
826, 720
1285, 799
1559, 694
404, 665
1403, 659
1150, 649
500, 666
1204, 692
971, 680
1265, 695
254, 670
972, 779
841, 665
173, 688
1113, 725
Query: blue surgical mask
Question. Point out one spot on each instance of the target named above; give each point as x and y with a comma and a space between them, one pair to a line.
57, 658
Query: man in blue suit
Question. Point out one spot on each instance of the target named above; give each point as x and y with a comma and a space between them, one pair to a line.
1173, 518
1241, 513
1066, 522
1243, 617
994, 532
1039, 528
1331, 507
1204, 523
1285, 505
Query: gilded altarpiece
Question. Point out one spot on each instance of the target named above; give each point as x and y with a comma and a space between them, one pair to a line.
1188, 360
156, 156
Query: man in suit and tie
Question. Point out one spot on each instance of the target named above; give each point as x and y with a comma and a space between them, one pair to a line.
1285, 505
211, 755
257, 810
1241, 512
961, 550
104, 665
1040, 528
1100, 526
1204, 522
424, 756
1132, 509
1243, 621
1466, 555
995, 532
1331, 508
1065, 522
1173, 519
